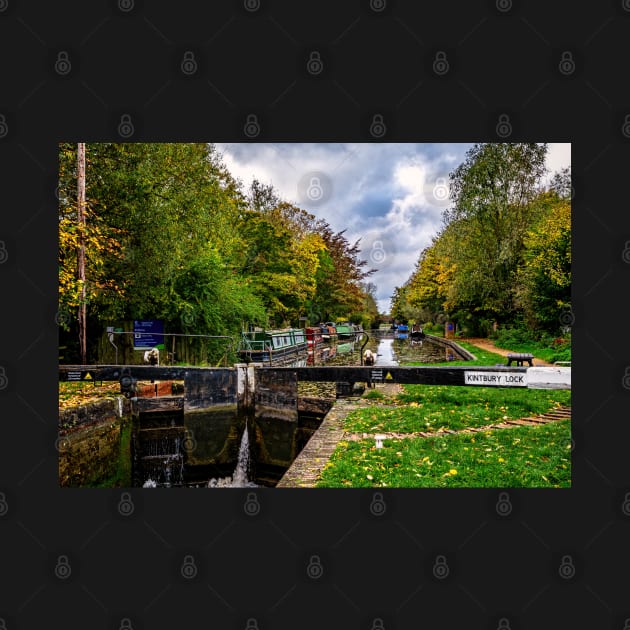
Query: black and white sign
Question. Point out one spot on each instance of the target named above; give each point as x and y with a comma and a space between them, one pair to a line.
497, 379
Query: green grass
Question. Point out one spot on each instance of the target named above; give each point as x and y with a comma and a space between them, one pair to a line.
527, 456
431, 407
501, 458
374, 394
548, 348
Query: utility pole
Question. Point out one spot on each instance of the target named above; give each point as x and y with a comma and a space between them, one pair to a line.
81, 252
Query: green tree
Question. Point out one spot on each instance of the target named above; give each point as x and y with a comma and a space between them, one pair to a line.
492, 192
153, 210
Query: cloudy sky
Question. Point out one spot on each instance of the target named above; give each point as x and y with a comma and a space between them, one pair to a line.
391, 196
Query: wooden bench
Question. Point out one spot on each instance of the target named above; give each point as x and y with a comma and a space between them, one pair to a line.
520, 357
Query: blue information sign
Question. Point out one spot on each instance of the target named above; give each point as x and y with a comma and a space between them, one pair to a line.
148, 333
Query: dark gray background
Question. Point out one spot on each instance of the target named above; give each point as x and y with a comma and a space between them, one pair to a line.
504, 58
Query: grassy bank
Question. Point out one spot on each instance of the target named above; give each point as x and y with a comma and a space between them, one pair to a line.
525, 456
534, 457
547, 348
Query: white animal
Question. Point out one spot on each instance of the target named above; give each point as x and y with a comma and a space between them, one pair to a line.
152, 356
369, 357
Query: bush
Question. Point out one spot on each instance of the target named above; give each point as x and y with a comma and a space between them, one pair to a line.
433, 329
512, 336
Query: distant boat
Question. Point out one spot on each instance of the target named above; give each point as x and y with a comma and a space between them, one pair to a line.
320, 354
272, 346
416, 332
345, 347
346, 330
402, 331
314, 336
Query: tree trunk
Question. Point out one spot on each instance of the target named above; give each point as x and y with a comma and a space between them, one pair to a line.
81, 253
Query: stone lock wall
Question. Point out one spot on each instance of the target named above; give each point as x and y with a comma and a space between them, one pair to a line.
89, 441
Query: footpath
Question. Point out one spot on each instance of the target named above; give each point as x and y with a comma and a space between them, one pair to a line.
487, 344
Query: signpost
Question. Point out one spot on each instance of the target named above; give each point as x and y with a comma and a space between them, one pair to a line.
148, 333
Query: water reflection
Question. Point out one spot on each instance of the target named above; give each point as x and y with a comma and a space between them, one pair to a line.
421, 351
385, 353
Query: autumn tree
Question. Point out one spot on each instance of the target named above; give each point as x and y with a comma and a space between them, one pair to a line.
545, 277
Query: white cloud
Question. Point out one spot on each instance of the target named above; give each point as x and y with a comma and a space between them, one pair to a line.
391, 196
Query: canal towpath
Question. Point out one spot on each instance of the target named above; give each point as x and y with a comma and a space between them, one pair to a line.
488, 344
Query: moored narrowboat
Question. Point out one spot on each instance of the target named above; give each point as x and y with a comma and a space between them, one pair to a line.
272, 346
346, 330
329, 331
314, 336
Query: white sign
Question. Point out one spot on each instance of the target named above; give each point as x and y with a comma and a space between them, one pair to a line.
497, 379
377, 375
